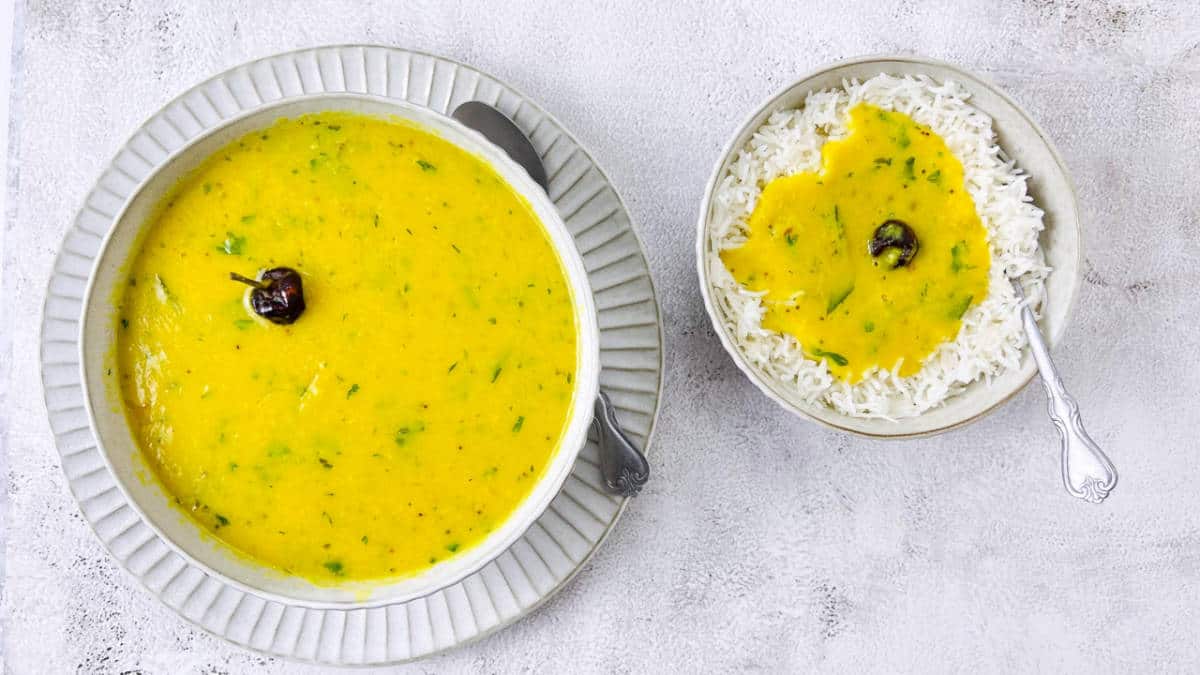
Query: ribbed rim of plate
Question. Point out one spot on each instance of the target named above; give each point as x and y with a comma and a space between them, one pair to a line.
549, 554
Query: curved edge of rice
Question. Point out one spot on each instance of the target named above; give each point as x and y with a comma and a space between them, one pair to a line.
991, 339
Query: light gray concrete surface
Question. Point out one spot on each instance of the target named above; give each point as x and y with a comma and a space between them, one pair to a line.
763, 542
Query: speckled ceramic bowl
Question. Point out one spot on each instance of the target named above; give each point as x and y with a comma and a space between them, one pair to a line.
1052, 190
124, 459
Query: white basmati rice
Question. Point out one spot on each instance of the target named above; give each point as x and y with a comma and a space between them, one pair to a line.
991, 338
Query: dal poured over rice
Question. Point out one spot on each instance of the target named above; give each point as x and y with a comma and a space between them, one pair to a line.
990, 338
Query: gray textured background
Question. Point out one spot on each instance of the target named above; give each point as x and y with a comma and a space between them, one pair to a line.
762, 541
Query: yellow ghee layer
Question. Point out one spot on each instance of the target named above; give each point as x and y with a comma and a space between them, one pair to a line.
808, 239
417, 399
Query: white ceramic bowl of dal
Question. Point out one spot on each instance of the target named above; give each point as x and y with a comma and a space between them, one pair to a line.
1049, 184
124, 458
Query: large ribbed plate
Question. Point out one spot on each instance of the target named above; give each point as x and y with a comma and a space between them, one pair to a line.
553, 549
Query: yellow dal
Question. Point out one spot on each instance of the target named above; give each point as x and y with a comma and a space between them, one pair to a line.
415, 402
808, 238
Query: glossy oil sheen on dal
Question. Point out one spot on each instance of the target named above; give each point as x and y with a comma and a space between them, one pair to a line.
418, 398
808, 239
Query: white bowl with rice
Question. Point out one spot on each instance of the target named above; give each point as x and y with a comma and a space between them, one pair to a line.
1022, 194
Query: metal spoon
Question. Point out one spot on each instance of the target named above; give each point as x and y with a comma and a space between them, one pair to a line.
1087, 473
505, 134
622, 466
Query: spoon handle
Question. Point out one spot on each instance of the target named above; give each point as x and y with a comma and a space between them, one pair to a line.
1087, 472
622, 466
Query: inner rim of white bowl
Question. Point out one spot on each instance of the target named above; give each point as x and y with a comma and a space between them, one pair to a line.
135, 479
1052, 189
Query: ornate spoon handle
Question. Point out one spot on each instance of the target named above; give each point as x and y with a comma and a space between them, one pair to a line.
1087, 472
622, 466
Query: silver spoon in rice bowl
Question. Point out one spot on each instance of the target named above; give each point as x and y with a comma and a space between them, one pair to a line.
1087, 472
622, 466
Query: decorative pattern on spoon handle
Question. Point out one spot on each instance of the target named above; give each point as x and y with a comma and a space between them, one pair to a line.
622, 466
1087, 472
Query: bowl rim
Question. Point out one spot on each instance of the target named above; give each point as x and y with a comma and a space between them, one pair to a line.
526, 512
772, 101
